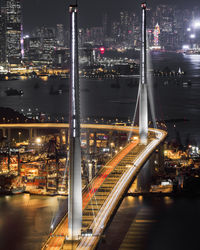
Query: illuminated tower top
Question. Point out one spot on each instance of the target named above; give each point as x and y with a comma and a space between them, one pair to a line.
156, 34
143, 105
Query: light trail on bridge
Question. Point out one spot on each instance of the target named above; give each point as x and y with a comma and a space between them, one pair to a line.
56, 239
109, 205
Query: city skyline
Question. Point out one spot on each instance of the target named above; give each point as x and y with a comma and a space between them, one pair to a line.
48, 43
90, 12
103, 114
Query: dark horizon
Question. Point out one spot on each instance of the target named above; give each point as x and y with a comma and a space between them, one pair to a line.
49, 12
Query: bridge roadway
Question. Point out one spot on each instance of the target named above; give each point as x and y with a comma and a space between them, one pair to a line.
120, 179
106, 189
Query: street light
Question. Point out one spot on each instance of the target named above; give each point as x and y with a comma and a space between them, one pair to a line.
38, 140
192, 36
185, 47
19, 134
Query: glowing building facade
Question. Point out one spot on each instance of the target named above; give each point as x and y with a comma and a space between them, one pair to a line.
10, 31
156, 34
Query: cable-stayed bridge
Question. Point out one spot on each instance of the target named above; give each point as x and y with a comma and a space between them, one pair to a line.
89, 210
106, 190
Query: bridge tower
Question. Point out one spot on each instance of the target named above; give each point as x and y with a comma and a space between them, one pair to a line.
74, 180
143, 103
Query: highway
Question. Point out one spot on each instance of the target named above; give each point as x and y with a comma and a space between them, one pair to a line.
65, 125
56, 239
112, 200
106, 189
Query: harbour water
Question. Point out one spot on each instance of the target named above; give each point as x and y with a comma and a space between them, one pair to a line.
25, 221
154, 223
174, 102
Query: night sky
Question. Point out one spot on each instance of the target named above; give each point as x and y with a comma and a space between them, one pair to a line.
51, 12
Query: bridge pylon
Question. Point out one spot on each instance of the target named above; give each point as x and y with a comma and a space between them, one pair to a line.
143, 102
74, 179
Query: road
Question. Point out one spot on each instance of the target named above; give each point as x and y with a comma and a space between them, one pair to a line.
56, 240
112, 200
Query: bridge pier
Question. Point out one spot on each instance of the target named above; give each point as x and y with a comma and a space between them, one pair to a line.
30, 134
90, 171
143, 102
145, 175
4, 132
161, 156
9, 134
74, 179
62, 136
95, 142
88, 142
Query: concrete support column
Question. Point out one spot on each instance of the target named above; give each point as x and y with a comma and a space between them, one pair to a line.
144, 177
62, 136
30, 134
159, 158
35, 133
75, 180
4, 132
90, 168
95, 167
143, 104
143, 119
19, 164
88, 141
9, 134
95, 142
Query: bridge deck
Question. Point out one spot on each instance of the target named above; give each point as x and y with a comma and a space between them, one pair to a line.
104, 193
93, 198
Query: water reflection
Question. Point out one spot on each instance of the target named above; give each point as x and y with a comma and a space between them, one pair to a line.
25, 220
168, 200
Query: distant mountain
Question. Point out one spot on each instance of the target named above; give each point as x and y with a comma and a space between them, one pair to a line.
8, 115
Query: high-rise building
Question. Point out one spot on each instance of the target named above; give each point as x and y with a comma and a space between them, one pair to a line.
2, 32
32, 48
156, 34
60, 35
10, 31
124, 23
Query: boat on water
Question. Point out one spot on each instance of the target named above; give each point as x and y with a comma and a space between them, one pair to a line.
14, 92
192, 52
11, 184
186, 84
17, 190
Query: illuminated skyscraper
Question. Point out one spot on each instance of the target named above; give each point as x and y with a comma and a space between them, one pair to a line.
2, 32
10, 31
156, 34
